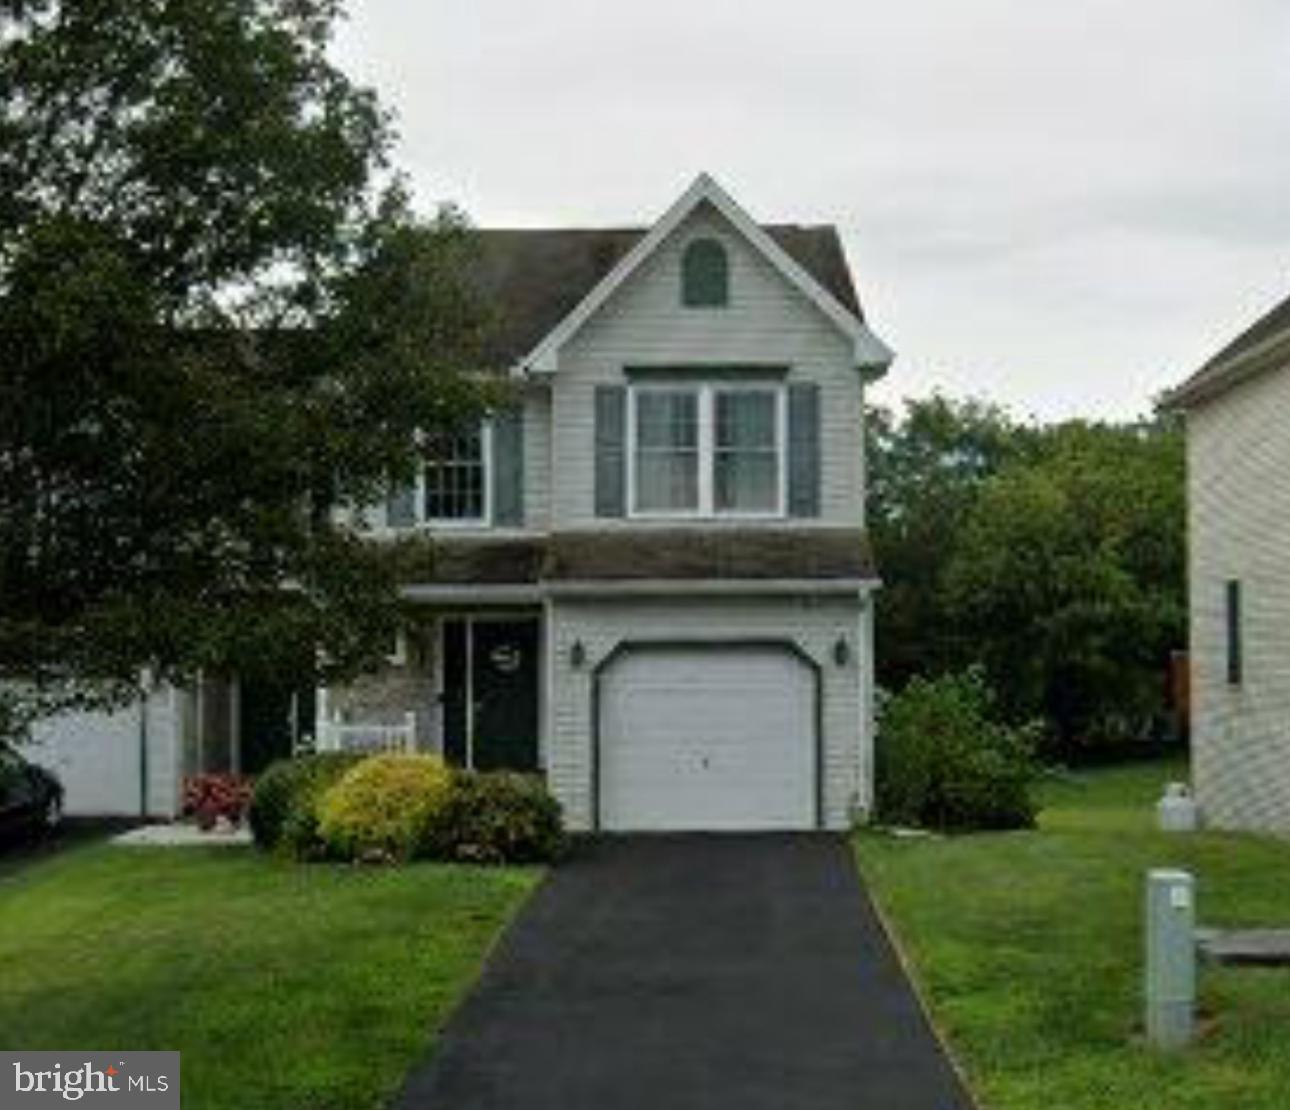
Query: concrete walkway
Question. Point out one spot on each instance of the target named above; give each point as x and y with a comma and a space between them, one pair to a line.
679, 973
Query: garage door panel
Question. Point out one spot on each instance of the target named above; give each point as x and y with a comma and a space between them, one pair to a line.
719, 738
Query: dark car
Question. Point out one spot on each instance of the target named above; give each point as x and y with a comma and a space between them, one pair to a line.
31, 798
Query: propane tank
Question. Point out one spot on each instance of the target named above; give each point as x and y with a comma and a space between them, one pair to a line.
1176, 810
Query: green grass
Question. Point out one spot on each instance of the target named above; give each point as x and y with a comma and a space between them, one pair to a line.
282, 985
1028, 947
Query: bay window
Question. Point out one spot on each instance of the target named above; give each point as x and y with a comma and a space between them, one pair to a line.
707, 450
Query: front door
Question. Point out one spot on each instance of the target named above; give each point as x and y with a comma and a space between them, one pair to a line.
490, 671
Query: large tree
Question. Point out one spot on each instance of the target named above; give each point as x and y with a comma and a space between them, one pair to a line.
1072, 569
926, 466
218, 320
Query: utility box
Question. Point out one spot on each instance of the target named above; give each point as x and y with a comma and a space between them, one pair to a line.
1171, 958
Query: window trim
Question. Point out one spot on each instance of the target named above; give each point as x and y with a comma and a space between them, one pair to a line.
707, 392
462, 522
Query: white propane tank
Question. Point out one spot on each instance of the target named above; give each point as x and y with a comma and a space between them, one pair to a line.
1176, 811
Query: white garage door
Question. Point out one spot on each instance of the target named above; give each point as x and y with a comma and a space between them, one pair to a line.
707, 738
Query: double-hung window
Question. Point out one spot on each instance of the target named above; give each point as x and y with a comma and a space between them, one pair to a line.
707, 450
454, 479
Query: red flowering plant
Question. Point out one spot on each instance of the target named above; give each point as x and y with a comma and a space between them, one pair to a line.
208, 797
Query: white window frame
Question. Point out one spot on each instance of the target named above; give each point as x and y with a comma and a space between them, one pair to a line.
484, 521
707, 407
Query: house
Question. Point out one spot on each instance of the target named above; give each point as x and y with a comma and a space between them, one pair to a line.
1238, 497
131, 762
650, 578
647, 578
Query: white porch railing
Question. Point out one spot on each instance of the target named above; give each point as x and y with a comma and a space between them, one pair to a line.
351, 736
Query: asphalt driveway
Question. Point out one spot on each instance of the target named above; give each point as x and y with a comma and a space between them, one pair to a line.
679, 972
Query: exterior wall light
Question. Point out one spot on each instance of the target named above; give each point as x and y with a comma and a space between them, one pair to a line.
577, 655
842, 652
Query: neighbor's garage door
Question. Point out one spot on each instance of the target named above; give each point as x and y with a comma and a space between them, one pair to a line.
707, 738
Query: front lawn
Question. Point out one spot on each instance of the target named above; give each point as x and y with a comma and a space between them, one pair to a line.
282, 985
1028, 947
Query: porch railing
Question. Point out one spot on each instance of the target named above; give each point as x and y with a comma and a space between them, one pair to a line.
351, 736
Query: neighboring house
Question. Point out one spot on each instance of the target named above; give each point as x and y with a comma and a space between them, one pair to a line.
1237, 409
132, 762
648, 580
651, 580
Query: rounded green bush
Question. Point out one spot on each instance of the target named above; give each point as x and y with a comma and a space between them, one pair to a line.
385, 804
944, 761
497, 817
283, 810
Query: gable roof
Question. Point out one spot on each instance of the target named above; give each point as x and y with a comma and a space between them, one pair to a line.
545, 283
1261, 346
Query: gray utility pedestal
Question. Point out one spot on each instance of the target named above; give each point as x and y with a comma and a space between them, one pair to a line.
1171, 958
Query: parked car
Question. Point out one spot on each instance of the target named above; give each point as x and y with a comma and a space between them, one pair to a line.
31, 798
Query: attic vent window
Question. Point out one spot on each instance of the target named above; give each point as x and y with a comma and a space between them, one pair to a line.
705, 275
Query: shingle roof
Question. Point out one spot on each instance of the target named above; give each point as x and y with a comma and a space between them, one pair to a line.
625, 554
1231, 364
709, 553
534, 277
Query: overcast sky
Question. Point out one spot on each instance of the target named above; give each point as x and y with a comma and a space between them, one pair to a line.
1061, 206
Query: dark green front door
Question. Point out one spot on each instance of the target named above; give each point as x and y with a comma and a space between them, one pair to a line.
491, 693
272, 716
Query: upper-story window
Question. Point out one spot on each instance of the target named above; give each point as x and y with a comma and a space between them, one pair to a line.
705, 275
454, 480
707, 450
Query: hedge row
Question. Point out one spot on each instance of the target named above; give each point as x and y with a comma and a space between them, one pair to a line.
345, 806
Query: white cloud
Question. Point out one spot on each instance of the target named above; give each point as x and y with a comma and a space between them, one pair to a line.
1066, 207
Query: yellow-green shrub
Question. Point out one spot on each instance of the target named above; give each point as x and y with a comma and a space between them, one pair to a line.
384, 804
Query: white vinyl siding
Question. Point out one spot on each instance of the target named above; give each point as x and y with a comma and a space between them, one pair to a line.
767, 322
1238, 459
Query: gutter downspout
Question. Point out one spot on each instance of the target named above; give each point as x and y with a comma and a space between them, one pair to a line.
143, 752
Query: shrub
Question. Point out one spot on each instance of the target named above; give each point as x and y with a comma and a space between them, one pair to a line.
283, 812
385, 804
945, 761
498, 817
213, 795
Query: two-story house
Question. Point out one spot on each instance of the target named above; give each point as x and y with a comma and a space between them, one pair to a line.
1238, 531
650, 580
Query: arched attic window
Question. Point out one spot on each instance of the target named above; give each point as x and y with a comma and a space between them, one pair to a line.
705, 275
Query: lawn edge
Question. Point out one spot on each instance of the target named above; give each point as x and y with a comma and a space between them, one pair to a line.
467, 988
910, 968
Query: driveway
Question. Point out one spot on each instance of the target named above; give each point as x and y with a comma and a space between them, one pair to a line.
679, 972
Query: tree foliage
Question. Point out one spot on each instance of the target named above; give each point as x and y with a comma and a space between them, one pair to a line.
218, 319
1053, 555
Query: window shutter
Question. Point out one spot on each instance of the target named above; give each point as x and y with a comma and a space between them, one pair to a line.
804, 449
508, 468
401, 508
611, 450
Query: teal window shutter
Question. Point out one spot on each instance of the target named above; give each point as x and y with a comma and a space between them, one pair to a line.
804, 449
401, 507
611, 450
705, 275
508, 468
